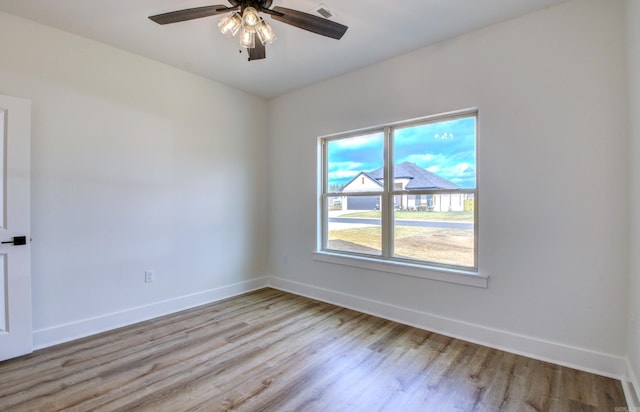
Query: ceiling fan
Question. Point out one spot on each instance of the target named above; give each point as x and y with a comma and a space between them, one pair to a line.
243, 17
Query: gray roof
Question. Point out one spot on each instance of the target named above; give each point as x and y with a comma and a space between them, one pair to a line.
420, 178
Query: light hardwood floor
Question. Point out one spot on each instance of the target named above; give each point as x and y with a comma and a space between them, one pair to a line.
274, 351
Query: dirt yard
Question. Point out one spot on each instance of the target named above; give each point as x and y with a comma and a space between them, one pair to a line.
446, 246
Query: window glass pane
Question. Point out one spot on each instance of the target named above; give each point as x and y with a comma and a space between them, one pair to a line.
439, 229
436, 156
354, 224
355, 163
433, 166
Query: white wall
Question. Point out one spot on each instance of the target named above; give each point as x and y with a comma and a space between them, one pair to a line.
633, 33
135, 166
551, 93
138, 166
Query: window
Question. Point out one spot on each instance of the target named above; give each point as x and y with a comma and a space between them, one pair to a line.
403, 193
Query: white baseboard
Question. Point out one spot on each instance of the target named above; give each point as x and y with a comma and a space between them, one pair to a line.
565, 355
631, 386
578, 358
43, 338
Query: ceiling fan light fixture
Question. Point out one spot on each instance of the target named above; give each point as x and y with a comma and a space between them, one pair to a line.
250, 17
265, 32
248, 38
230, 24
244, 17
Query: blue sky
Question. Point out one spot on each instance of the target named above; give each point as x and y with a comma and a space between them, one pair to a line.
447, 149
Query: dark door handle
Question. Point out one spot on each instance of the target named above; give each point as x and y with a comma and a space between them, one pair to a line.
17, 241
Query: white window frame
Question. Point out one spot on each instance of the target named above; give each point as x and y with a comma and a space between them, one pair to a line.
386, 262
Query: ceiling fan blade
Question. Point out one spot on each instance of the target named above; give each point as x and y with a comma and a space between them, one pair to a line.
309, 22
190, 14
258, 52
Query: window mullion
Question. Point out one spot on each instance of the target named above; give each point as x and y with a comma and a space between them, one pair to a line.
387, 211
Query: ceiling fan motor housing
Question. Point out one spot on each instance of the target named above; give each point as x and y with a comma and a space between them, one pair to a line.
257, 4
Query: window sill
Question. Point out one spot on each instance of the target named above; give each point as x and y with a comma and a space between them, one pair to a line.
461, 277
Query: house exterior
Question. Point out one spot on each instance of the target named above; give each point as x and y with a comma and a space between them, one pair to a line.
407, 177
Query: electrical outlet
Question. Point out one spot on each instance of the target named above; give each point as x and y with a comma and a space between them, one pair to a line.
149, 276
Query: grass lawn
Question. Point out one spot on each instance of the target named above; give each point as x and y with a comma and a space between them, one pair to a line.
466, 216
448, 246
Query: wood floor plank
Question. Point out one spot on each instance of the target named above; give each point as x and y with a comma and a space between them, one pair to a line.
54, 361
273, 351
334, 367
246, 367
540, 386
508, 388
472, 390
286, 382
217, 357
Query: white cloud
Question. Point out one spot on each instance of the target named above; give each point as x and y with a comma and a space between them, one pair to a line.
462, 169
343, 174
444, 136
358, 141
343, 166
421, 159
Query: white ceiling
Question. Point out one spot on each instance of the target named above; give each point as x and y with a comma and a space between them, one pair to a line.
378, 30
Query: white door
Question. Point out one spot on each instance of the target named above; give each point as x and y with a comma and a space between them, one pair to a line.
15, 258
